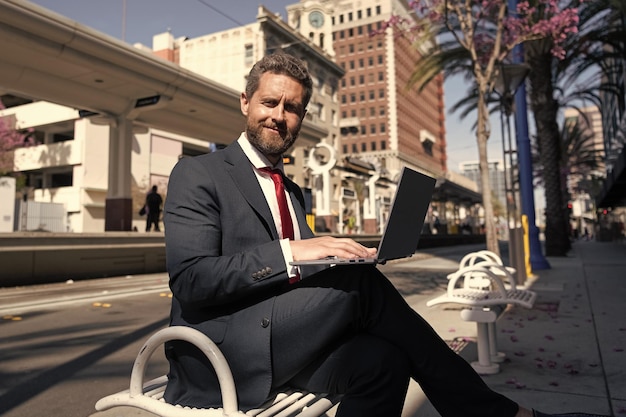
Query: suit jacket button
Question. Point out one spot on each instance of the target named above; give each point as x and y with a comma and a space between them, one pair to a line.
265, 322
269, 270
255, 276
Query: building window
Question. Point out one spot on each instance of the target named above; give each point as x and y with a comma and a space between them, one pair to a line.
383, 145
381, 76
345, 148
62, 136
372, 111
353, 113
343, 99
361, 63
428, 147
353, 98
361, 79
372, 95
363, 130
372, 129
362, 96
354, 150
381, 112
61, 179
380, 59
377, 9
359, 14
352, 81
383, 128
381, 93
369, 12
373, 146
351, 48
349, 16
248, 54
363, 147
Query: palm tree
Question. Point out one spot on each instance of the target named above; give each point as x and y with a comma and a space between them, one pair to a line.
584, 51
473, 40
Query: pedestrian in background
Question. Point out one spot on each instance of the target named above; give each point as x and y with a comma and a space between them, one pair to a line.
153, 209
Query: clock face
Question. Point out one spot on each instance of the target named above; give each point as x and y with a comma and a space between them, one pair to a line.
316, 18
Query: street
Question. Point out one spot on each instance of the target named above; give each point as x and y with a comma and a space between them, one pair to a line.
64, 345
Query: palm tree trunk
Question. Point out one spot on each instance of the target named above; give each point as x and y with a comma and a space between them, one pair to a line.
482, 135
545, 109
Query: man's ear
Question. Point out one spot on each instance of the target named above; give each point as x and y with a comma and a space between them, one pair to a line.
244, 103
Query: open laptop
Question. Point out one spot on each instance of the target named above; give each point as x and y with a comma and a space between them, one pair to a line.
404, 226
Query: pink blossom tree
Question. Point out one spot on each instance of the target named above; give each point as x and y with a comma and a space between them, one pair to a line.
477, 37
10, 138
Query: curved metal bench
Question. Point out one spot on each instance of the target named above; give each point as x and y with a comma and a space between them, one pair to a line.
148, 396
485, 295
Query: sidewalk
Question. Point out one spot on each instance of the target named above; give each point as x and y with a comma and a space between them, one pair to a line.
567, 353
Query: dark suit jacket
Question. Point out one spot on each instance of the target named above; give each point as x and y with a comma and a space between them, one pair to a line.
226, 267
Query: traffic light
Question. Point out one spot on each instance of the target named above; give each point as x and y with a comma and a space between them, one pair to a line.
569, 208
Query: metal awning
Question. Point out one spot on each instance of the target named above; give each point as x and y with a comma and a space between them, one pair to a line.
446, 190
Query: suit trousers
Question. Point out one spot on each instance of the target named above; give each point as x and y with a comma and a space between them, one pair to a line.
347, 330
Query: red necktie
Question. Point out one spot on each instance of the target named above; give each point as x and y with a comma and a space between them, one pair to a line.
283, 208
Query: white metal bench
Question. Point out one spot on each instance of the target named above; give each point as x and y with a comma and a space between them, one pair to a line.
148, 396
485, 257
485, 296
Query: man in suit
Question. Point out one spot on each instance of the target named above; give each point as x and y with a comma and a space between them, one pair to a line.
338, 330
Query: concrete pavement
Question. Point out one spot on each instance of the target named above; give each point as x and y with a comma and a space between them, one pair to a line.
567, 353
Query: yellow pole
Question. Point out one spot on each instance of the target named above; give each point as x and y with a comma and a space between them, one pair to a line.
529, 270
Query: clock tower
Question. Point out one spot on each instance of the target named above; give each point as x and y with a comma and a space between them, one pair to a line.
313, 20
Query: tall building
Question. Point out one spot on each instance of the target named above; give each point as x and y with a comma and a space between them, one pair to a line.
382, 121
582, 181
383, 124
497, 180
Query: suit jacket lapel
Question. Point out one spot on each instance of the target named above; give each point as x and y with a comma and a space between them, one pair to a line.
241, 171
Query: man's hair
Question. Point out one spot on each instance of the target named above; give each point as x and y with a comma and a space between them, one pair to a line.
283, 64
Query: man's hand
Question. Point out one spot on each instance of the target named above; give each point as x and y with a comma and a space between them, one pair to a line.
325, 246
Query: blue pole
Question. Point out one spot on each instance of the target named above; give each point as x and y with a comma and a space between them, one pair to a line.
537, 260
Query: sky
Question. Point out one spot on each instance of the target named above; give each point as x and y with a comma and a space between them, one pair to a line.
137, 21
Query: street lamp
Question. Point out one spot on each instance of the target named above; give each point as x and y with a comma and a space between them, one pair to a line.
537, 260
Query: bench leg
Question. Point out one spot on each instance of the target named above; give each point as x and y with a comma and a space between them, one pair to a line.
484, 366
495, 356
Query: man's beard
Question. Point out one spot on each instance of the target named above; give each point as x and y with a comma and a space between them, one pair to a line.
275, 145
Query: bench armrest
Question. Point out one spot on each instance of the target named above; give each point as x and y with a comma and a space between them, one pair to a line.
206, 345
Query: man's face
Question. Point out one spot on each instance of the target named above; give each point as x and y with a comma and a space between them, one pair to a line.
274, 114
